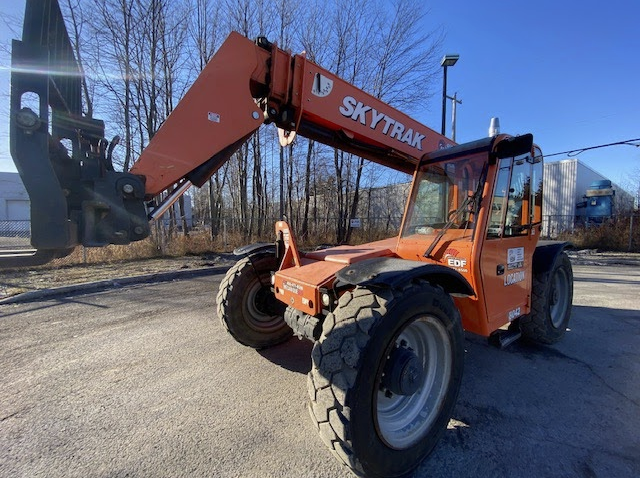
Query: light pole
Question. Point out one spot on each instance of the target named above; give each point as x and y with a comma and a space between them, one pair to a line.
447, 61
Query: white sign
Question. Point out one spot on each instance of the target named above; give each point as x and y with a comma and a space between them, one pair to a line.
515, 258
355, 223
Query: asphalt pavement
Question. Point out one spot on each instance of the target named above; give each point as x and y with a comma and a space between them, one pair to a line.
143, 381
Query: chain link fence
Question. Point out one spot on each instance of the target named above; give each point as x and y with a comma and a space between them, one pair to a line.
15, 235
614, 233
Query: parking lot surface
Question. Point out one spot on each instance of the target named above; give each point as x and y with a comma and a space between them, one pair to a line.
144, 381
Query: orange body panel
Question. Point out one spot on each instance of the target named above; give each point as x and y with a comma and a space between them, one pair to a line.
298, 282
299, 287
332, 104
243, 85
346, 255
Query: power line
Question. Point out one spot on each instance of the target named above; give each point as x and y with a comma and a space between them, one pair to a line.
574, 152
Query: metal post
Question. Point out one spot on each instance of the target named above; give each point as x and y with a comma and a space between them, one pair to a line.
224, 232
454, 101
631, 233
281, 217
444, 100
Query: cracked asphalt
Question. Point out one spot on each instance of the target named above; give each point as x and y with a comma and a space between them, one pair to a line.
143, 381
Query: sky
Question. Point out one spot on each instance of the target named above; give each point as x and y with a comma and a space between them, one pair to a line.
565, 70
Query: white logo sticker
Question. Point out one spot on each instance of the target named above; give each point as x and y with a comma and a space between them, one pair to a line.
514, 314
368, 116
513, 278
322, 85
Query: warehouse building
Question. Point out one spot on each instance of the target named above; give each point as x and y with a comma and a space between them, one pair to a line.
14, 200
569, 187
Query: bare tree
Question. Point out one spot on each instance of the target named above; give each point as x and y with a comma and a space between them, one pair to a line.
204, 31
74, 11
113, 29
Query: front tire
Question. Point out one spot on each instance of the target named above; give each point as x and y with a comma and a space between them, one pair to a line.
551, 299
385, 377
246, 306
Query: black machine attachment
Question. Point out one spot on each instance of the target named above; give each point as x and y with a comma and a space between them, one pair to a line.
76, 196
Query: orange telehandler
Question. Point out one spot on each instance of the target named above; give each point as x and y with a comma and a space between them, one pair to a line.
386, 318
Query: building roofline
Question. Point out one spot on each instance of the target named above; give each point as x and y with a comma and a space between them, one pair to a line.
577, 160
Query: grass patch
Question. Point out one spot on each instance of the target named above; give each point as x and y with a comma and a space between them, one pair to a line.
616, 235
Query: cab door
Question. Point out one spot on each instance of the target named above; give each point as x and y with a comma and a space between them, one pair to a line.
506, 257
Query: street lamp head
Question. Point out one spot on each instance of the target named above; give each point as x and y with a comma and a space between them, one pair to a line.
449, 60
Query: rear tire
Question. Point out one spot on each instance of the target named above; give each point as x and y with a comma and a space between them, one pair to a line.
369, 428
246, 306
551, 298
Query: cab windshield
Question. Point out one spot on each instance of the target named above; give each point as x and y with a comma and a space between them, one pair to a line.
445, 196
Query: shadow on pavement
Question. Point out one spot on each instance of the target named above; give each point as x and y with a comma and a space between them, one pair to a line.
571, 409
293, 355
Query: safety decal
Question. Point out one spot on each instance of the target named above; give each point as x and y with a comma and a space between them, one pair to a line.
292, 287
515, 258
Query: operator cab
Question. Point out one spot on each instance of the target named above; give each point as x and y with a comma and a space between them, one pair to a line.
476, 208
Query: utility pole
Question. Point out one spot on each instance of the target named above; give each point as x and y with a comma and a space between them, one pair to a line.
454, 101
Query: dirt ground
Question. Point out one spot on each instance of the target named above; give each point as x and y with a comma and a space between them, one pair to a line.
17, 281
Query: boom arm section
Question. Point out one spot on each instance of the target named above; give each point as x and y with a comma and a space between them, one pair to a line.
246, 84
78, 198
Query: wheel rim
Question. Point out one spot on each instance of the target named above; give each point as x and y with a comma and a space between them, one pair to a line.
403, 420
559, 297
261, 308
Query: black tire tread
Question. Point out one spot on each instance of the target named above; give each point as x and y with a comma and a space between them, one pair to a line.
536, 326
349, 327
243, 266
222, 299
356, 309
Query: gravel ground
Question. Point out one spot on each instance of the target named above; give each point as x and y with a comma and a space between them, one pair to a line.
591, 257
18, 281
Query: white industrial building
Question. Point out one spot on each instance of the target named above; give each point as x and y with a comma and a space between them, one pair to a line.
14, 200
565, 184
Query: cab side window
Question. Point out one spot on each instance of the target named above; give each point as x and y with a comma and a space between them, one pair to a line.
512, 206
517, 219
536, 189
499, 198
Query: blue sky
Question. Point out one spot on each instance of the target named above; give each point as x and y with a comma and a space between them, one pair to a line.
566, 71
